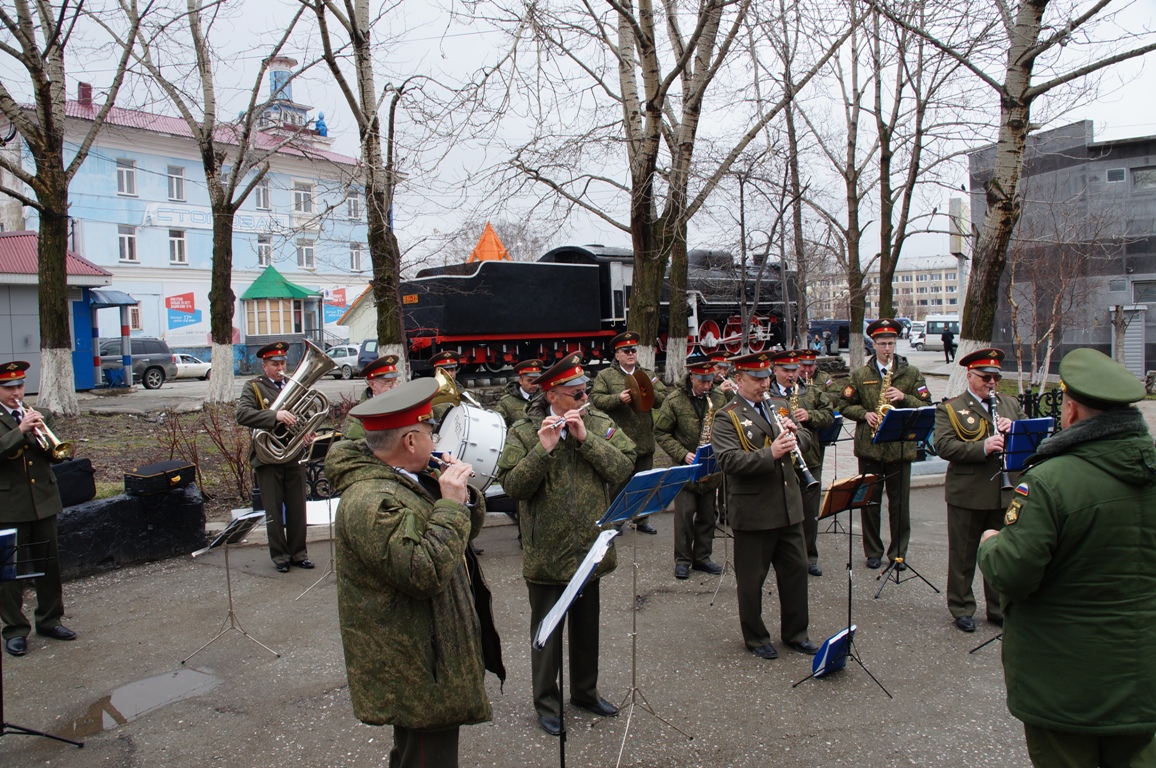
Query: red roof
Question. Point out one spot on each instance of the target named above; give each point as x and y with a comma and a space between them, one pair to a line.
176, 126
18, 257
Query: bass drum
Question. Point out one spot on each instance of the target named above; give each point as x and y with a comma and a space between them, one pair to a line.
477, 437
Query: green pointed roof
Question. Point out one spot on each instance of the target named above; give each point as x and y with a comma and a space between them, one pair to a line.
272, 285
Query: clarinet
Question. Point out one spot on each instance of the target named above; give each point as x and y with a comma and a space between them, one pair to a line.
797, 459
1005, 476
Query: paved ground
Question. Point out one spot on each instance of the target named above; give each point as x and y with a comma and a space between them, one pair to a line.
121, 686
249, 708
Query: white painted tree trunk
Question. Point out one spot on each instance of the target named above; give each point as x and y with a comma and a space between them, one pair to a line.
57, 386
221, 377
856, 352
399, 350
675, 360
646, 356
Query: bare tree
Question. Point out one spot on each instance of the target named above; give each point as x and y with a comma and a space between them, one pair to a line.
1068, 42
235, 155
37, 37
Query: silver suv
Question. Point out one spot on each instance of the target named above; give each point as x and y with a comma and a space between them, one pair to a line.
152, 360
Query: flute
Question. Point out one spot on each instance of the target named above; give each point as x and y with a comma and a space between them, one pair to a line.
443, 464
562, 422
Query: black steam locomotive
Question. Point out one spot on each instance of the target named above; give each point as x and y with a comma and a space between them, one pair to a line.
574, 299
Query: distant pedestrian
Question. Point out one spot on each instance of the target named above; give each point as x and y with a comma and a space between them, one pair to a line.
948, 339
827, 338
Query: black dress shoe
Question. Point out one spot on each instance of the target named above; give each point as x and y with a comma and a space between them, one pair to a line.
765, 652
966, 623
550, 725
681, 571
900, 565
708, 566
646, 528
16, 646
306, 564
806, 647
476, 549
814, 569
602, 707
282, 567
874, 562
59, 632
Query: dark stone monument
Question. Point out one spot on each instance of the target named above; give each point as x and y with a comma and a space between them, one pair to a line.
111, 533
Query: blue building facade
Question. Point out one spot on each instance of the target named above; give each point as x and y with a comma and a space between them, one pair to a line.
140, 209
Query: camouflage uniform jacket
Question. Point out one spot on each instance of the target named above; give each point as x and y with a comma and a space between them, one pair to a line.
639, 427
255, 414
821, 414
678, 427
351, 428
412, 638
563, 493
512, 406
861, 396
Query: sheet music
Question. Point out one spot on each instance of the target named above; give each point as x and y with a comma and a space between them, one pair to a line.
554, 617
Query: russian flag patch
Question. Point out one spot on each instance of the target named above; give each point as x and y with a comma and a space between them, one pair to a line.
1022, 489
609, 432
923, 391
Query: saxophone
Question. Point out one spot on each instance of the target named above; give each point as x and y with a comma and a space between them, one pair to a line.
883, 406
793, 400
707, 423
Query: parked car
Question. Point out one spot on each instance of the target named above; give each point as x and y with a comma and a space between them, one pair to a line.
152, 360
345, 355
915, 336
189, 367
367, 354
933, 331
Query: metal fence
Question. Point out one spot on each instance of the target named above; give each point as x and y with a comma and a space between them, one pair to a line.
1043, 403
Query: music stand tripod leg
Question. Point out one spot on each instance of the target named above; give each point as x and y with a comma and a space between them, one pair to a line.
230, 618
330, 569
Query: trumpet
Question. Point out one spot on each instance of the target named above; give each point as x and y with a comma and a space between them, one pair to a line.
58, 449
809, 480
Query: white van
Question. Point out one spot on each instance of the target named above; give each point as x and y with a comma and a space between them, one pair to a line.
934, 326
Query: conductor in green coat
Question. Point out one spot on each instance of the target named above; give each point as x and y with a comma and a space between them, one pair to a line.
1075, 565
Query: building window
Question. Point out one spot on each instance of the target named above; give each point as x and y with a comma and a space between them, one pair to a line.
134, 318
921, 302
950, 289
1144, 292
921, 289
264, 250
176, 183
906, 279
127, 240
922, 278
948, 275
1144, 178
302, 197
952, 301
355, 257
178, 252
272, 317
353, 205
262, 195
1116, 175
126, 177
305, 254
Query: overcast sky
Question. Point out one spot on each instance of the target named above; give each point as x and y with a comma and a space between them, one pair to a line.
430, 44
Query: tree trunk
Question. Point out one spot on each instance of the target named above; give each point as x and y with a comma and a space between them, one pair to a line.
677, 328
57, 383
222, 301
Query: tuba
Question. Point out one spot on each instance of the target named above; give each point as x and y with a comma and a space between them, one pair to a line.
277, 445
450, 392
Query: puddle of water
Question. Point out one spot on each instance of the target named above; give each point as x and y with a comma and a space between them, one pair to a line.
135, 700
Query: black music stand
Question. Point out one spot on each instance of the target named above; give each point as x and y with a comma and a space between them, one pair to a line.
832, 436
232, 534
705, 457
990, 640
555, 619
646, 493
9, 571
904, 425
846, 495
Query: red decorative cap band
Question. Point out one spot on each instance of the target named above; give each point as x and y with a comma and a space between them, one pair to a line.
415, 415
